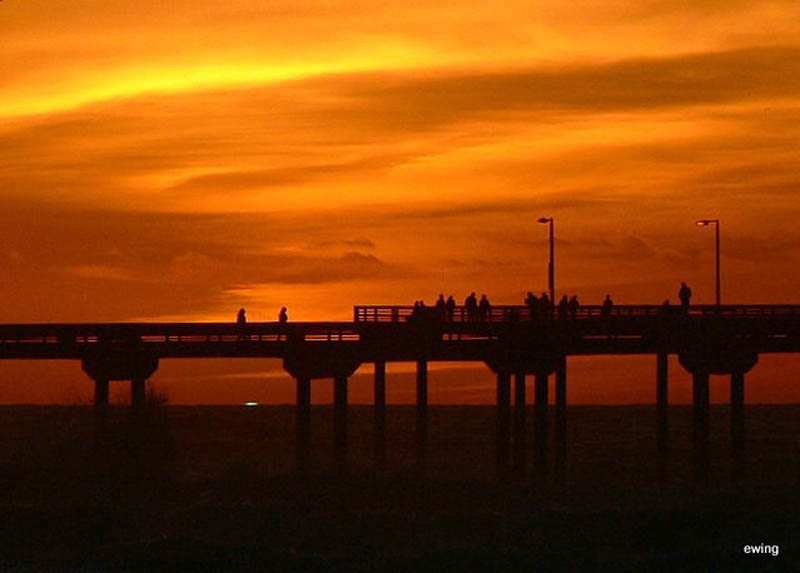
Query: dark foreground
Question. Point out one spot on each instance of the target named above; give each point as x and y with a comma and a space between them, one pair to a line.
213, 488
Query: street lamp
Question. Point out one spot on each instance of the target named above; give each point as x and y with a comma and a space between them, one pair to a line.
715, 222
551, 267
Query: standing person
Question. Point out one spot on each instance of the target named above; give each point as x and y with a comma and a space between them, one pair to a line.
544, 304
563, 307
441, 307
241, 321
471, 304
283, 315
608, 304
533, 305
451, 308
573, 306
685, 294
484, 308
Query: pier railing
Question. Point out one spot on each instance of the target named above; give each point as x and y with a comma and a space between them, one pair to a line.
513, 313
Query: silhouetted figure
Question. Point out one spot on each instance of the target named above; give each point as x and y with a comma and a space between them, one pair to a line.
283, 315
471, 305
608, 305
685, 294
451, 308
545, 305
441, 308
563, 307
241, 321
533, 305
573, 306
484, 308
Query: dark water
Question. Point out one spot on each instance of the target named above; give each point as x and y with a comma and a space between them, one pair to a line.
215, 488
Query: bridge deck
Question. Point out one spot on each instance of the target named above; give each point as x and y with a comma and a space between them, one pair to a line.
397, 332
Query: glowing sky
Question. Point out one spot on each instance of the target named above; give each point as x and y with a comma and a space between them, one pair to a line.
177, 159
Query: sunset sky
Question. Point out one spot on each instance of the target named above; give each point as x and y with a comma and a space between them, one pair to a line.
174, 160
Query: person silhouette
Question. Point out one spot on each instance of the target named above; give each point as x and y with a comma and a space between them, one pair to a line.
283, 315
685, 295
441, 307
451, 308
608, 305
573, 306
484, 308
471, 305
241, 321
545, 305
563, 307
533, 305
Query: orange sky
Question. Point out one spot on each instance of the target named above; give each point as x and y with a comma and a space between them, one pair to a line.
176, 160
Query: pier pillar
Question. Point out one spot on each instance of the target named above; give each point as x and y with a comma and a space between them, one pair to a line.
561, 418
540, 391
380, 414
662, 381
101, 394
340, 420
700, 401
519, 422
503, 420
133, 365
422, 413
137, 393
662, 405
540, 421
737, 422
303, 422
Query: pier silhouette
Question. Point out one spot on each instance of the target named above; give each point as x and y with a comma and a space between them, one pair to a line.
515, 342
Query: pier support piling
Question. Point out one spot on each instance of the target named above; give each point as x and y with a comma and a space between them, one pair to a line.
540, 422
737, 422
380, 415
137, 393
422, 413
700, 394
303, 423
519, 423
662, 413
561, 419
503, 420
340, 421
101, 394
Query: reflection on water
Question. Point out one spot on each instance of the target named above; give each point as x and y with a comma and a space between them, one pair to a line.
613, 445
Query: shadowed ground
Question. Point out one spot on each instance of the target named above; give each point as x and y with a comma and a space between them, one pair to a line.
213, 488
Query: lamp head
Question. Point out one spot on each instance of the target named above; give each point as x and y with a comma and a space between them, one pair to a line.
707, 222
545, 220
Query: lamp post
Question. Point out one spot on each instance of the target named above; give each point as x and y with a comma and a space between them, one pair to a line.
551, 267
715, 222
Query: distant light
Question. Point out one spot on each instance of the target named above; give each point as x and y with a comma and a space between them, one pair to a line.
702, 223
251, 404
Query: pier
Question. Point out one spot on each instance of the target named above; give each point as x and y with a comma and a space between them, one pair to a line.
516, 346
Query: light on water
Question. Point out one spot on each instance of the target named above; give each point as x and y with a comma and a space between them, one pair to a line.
251, 404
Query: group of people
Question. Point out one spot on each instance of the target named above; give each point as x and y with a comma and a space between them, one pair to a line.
241, 316
475, 309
